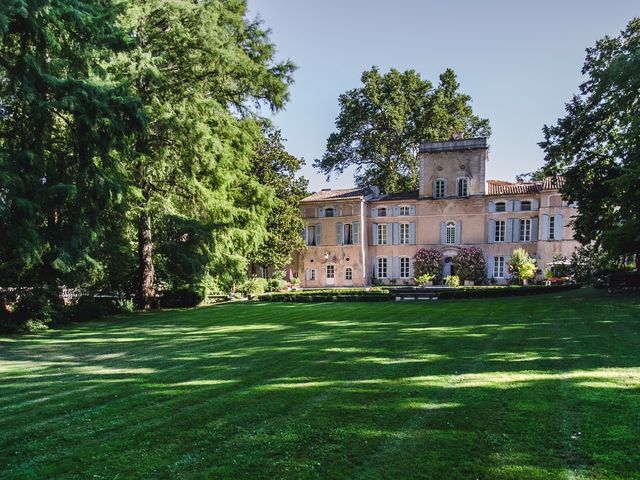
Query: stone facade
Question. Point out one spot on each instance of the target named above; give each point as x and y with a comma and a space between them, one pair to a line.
358, 236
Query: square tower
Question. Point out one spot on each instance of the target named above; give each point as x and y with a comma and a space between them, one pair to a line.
454, 168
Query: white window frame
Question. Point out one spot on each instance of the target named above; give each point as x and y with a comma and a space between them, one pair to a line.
382, 234
404, 233
450, 233
440, 186
312, 274
333, 271
405, 211
552, 227
311, 235
463, 187
347, 227
348, 273
500, 232
525, 230
383, 265
498, 266
405, 267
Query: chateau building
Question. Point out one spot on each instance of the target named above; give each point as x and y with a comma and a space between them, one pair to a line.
357, 236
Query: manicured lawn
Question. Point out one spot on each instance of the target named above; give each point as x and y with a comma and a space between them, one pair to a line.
519, 388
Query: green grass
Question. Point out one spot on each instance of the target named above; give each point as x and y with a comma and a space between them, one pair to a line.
518, 388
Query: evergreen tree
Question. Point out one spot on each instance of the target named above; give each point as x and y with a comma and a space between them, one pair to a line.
62, 125
382, 123
200, 69
276, 168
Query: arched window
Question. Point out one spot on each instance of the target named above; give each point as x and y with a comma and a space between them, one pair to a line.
348, 273
463, 187
331, 271
439, 188
451, 233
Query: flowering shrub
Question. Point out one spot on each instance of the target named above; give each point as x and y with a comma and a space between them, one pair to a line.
470, 264
452, 281
429, 261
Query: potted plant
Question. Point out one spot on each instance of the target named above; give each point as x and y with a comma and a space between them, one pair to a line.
424, 280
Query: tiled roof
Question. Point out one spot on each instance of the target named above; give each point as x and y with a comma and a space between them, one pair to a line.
499, 187
412, 195
337, 194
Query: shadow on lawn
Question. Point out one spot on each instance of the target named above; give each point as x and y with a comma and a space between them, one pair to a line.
447, 390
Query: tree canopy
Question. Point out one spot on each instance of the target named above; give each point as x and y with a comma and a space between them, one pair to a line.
382, 123
596, 145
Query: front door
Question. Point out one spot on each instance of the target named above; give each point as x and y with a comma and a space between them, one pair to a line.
330, 271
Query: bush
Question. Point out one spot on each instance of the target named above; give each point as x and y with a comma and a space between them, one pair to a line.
452, 281
471, 265
88, 308
521, 265
276, 285
34, 308
183, 297
423, 279
253, 286
125, 305
429, 261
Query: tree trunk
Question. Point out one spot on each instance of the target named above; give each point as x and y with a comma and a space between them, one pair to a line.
146, 295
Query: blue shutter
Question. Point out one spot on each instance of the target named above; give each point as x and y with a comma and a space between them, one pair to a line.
517, 206
516, 229
374, 212
411, 272
559, 226
412, 233
374, 238
491, 236
535, 205
490, 261
356, 233
508, 234
412, 210
433, 187
545, 227
492, 207
320, 212
509, 205
443, 233
395, 211
445, 188
458, 233
318, 234
534, 229
339, 234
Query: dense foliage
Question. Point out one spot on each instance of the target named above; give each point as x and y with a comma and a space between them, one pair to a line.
382, 123
429, 261
471, 265
596, 145
521, 266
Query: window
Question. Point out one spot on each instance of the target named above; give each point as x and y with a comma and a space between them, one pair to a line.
328, 212
451, 233
331, 271
404, 211
347, 238
498, 267
312, 274
348, 273
404, 267
552, 227
382, 212
439, 188
501, 227
404, 233
501, 207
382, 267
382, 234
264, 272
525, 230
463, 187
311, 235
525, 206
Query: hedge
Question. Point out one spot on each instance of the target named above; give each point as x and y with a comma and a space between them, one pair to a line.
509, 291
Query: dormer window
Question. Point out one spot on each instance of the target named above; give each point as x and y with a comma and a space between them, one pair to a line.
382, 212
501, 207
525, 206
463, 187
328, 212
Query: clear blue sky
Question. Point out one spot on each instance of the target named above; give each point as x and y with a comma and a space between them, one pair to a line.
520, 62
